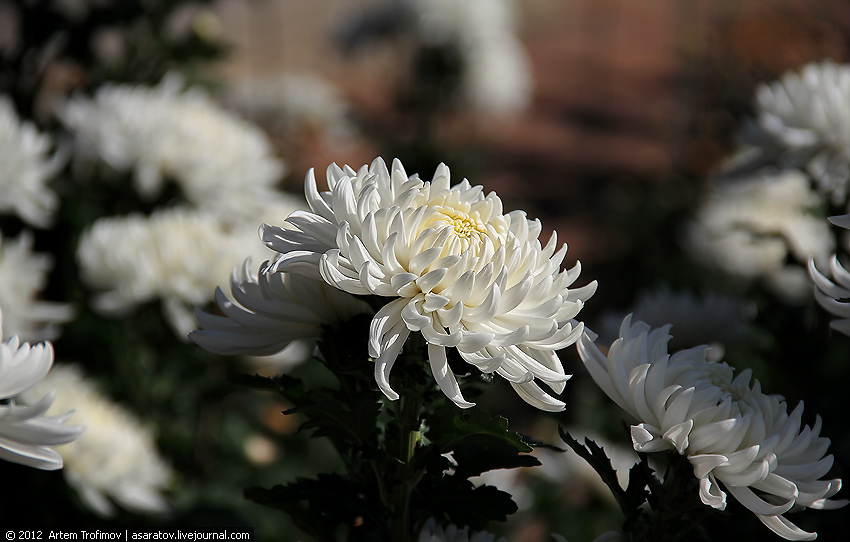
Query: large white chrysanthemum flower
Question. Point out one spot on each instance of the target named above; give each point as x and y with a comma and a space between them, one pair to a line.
219, 160
116, 459
834, 295
461, 272
810, 110
26, 166
496, 76
23, 274
736, 437
756, 228
434, 532
176, 255
270, 310
26, 435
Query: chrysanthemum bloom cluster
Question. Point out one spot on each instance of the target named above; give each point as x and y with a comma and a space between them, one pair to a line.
26, 166
809, 112
833, 294
218, 160
23, 274
27, 436
496, 76
434, 532
116, 459
736, 437
177, 255
751, 228
458, 271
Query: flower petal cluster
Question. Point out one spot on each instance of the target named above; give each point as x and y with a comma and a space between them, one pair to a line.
26, 166
218, 160
461, 273
434, 532
496, 75
176, 255
23, 274
737, 438
27, 436
833, 294
270, 310
116, 459
756, 228
810, 110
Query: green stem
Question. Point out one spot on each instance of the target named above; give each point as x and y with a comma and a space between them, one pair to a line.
407, 417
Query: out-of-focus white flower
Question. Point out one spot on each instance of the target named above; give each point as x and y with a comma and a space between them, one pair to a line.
460, 272
811, 110
434, 532
219, 160
270, 310
116, 459
496, 76
730, 431
26, 435
176, 255
23, 275
714, 319
834, 295
750, 228
292, 100
26, 166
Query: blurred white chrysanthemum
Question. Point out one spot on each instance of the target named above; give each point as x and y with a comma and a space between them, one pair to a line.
26, 435
496, 76
26, 166
292, 101
461, 272
176, 255
23, 274
219, 160
713, 319
731, 432
834, 295
810, 110
116, 458
270, 310
434, 532
751, 228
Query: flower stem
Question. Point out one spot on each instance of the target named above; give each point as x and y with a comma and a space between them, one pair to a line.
407, 418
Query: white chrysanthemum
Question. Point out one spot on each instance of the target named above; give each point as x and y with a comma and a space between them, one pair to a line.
26, 435
834, 295
751, 228
219, 160
811, 110
463, 274
26, 166
730, 431
23, 274
496, 76
176, 255
116, 459
434, 532
713, 319
270, 310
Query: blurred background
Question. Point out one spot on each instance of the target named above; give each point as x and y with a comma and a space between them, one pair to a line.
609, 120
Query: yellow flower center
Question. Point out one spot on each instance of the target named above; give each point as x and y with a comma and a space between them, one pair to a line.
464, 225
